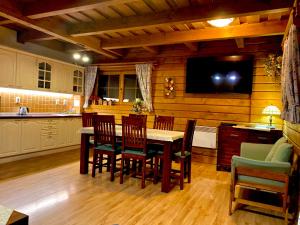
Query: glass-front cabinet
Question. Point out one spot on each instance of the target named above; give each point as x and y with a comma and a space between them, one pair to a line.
44, 75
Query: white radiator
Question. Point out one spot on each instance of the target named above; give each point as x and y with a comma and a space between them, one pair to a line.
205, 137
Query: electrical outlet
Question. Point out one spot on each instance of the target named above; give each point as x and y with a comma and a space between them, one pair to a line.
18, 99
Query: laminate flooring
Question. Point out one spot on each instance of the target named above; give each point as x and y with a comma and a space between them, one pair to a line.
52, 192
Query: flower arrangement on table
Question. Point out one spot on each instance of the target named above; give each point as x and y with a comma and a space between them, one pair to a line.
138, 106
273, 64
169, 87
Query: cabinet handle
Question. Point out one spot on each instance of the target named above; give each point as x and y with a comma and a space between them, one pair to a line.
234, 135
262, 138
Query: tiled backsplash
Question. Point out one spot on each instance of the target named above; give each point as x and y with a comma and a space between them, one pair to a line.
38, 102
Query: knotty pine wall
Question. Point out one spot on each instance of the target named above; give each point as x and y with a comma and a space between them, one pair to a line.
208, 109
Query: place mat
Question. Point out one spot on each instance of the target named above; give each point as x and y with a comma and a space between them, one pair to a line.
5, 214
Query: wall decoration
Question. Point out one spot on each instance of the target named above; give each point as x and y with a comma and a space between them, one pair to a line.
273, 64
169, 87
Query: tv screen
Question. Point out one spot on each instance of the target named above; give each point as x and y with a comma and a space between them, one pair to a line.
231, 74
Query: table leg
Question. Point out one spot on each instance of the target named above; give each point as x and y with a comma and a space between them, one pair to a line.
84, 153
166, 182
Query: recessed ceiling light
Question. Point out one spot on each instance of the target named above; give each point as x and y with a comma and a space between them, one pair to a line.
85, 58
220, 22
76, 56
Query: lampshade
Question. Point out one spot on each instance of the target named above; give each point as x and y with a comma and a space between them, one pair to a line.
271, 110
220, 22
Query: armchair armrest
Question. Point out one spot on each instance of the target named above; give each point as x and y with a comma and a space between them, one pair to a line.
279, 167
255, 151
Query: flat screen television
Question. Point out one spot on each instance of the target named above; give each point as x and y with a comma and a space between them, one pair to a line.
224, 74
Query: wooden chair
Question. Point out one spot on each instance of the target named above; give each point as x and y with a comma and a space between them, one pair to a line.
139, 116
134, 144
105, 144
183, 156
163, 122
87, 119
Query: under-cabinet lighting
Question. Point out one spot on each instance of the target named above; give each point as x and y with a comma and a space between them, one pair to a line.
33, 92
220, 22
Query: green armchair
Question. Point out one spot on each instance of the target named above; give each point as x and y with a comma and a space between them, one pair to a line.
262, 167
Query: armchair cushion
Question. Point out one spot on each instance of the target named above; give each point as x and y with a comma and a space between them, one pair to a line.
282, 153
274, 148
255, 151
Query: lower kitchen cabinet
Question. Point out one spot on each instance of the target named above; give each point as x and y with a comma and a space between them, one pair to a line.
33, 135
9, 137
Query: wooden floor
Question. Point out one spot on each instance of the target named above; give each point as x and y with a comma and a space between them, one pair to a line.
51, 191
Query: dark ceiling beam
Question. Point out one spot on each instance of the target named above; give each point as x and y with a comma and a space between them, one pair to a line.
47, 8
182, 15
11, 11
207, 34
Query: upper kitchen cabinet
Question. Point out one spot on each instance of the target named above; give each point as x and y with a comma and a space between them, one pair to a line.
78, 81
27, 67
8, 61
45, 75
62, 78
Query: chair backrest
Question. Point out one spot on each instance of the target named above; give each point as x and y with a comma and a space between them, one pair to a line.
104, 130
188, 136
139, 116
87, 119
163, 122
134, 133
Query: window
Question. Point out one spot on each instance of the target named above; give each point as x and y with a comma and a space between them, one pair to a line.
131, 88
44, 80
77, 81
108, 87
118, 86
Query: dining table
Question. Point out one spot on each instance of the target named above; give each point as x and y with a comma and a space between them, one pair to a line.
166, 138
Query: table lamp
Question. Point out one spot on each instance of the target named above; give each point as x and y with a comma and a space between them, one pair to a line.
271, 110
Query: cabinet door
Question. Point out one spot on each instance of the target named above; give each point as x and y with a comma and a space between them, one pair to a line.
30, 135
62, 78
9, 137
62, 133
8, 68
48, 134
74, 134
26, 71
77, 81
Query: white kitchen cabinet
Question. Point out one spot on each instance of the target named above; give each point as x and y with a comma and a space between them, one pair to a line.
27, 72
48, 134
78, 81
9, 137
30, 135
8, 61
74, 125
62, 132
62, 78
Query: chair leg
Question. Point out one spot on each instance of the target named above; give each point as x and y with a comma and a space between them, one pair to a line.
100, 163
143, 173
112, 167
155, 178
181, 177
108, 162
127, 166
134, 167
189, 162
121, 170
94, 163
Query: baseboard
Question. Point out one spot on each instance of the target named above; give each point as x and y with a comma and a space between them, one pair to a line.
205, 155
35, 154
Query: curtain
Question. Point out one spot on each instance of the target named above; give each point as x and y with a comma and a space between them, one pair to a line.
90, 73
290, 78
144, 72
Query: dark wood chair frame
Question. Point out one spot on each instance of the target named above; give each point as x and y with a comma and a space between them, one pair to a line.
134, 136
104, 133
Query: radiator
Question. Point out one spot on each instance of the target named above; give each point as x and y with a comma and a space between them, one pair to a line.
205, 137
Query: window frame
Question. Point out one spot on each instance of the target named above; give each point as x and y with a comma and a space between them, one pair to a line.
78, 74
121, 82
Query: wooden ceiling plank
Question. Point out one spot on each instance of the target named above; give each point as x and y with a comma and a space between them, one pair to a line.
253, 19
152, 49
5, 22
46, 8
274, 16
230, 32
185, 15
51, 27
192, 46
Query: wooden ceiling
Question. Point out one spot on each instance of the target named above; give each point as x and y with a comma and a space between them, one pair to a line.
106, 27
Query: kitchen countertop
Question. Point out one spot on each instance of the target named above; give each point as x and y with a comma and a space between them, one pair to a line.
37, 115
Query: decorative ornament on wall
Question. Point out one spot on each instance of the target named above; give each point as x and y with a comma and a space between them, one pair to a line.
273, 64
169, 87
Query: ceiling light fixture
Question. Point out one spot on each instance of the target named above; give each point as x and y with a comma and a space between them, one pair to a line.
220, 22
76, 56
85, 58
